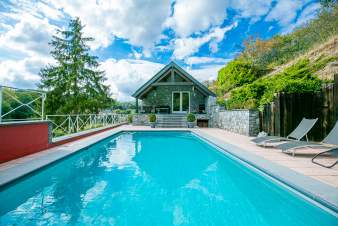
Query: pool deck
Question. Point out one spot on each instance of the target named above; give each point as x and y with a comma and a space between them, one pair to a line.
298, 172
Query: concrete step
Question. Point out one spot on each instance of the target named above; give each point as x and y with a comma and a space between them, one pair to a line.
171, 121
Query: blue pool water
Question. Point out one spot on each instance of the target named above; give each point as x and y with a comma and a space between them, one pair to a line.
154, 178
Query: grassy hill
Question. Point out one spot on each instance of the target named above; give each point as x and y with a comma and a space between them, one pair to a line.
300, 61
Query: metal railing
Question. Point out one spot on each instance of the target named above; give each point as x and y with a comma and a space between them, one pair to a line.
14, 100
68, 124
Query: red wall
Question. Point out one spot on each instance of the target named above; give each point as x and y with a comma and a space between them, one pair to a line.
24, 138
19, 139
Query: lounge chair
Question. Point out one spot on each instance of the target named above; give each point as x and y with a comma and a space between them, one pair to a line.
331, 140
296, 135
333, 151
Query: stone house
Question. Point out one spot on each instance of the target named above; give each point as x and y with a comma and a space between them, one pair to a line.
173, 91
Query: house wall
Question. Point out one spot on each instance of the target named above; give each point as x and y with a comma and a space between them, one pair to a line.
162, 96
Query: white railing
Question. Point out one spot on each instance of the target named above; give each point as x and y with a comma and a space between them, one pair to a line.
68, 124
13, 100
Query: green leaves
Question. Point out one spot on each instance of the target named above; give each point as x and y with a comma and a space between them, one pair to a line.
236, 73
74, 83
296, 78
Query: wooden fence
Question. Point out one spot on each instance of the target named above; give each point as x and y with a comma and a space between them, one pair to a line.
287, 110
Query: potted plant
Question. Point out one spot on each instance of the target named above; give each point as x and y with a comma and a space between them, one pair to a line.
130, 118
152, 120
191, 120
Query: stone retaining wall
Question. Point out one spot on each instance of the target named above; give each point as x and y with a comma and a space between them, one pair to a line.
245, 122
140, 120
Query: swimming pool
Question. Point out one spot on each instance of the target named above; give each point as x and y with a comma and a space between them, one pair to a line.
154, 178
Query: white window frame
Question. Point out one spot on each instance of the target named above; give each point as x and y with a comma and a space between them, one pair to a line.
172, 101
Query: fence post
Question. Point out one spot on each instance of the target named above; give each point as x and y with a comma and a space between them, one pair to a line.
69, 126
43, 106
0, 104
335, 93
77, 123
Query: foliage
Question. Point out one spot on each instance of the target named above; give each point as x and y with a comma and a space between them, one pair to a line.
236, 73
74, 84
23, 112
130, 118
244, 83
191, 117
119, 111
299, 78
266, 54
152, 117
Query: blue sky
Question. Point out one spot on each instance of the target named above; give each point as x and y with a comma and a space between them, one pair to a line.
135, 38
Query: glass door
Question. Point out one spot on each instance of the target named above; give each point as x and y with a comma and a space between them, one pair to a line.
176, 102
180, 102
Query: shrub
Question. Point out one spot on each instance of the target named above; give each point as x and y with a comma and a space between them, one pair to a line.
130, 118
298, 78
152, 117
236, 73
191, 117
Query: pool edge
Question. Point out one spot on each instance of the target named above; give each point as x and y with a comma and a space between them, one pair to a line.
306, 185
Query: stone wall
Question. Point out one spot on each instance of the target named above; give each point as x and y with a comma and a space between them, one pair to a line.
245, 122
162, 96
140, 120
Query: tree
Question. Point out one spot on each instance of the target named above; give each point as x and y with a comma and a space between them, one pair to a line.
74, 84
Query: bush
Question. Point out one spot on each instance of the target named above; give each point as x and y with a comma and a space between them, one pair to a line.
130, 118
191, 117
298, 78
236, 73
152, 117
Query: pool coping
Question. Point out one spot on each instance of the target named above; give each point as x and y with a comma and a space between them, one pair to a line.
318, 191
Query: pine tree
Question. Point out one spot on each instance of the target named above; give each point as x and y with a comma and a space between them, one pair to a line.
74, 83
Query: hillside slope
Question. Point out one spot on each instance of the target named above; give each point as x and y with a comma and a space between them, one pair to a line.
327, 49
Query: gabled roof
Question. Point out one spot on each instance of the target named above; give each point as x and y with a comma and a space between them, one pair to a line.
159, 74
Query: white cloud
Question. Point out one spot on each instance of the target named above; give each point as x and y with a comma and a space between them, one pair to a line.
198, 15
253, 10
308, 13
22, 73
285, 11
205, 60
140, 22
125, 76
206, 73
185, 47
30, 36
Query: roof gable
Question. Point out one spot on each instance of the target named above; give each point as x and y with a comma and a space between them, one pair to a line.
159, 75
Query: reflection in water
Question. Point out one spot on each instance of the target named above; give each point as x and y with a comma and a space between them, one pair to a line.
152, 179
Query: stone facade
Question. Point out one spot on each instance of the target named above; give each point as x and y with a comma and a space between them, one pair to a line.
245, 122
140, 120
162, 96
